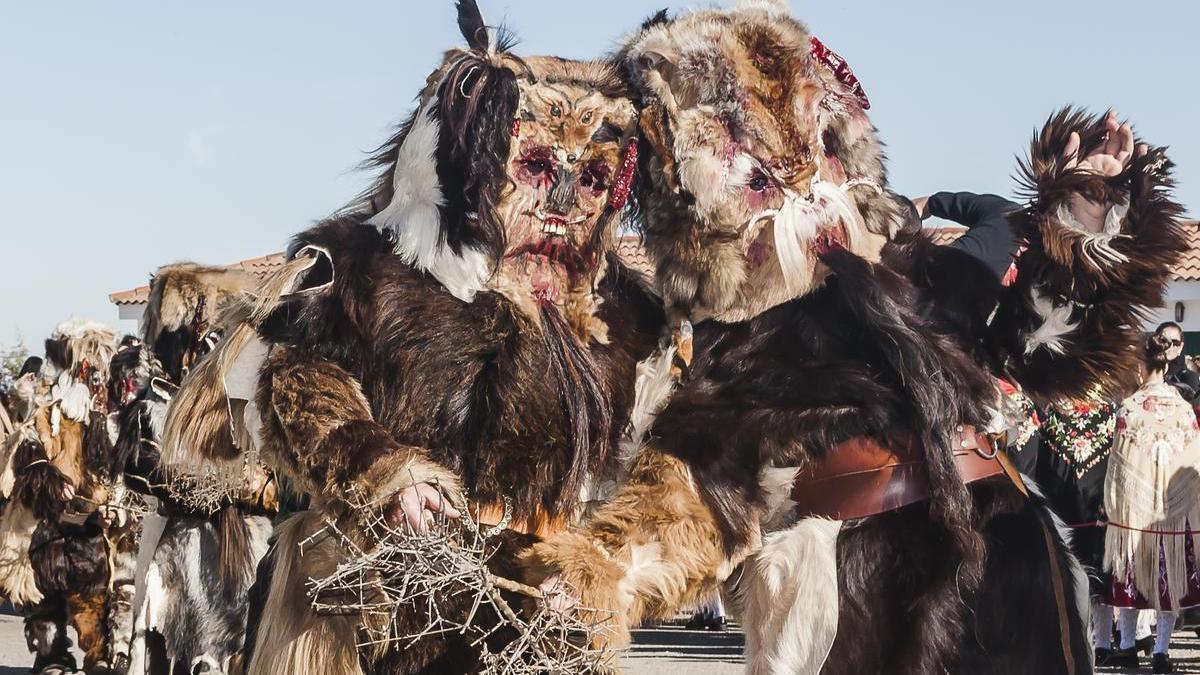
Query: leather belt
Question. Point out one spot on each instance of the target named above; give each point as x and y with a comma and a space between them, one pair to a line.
862, 477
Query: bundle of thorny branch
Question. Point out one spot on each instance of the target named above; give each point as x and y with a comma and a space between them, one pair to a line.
437, 574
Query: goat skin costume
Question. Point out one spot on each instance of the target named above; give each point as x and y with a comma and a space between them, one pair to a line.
466, 325
68, 544
816, 324
195, 561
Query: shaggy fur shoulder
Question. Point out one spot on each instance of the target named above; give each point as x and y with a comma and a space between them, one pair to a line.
885, 370
466, 381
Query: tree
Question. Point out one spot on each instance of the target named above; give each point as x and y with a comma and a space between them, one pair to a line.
11, 360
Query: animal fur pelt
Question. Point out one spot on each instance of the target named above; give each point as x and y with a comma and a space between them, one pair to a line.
768, 212
16, 571
464, 324
185, 302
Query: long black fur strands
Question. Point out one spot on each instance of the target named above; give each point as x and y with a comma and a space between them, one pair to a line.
476, 104
472, 26
59, 353
98, 454
38, 482
585, 398
933, 392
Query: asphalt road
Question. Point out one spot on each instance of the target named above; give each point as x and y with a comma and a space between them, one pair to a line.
658, 651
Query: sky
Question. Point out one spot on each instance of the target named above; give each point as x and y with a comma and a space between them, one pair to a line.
136, 133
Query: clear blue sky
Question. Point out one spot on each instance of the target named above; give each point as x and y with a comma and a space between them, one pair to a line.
140, 132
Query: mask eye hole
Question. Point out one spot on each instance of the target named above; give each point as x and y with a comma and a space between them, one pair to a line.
758, 181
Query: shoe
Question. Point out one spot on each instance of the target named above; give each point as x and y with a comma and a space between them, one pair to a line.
1144, 645
1102, 655
716, 624
697, 622
1123, 658
1162, 664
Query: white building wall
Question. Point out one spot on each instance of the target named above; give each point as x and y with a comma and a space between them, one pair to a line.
1186, 292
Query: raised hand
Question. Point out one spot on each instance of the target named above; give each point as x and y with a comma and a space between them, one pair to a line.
1109, 159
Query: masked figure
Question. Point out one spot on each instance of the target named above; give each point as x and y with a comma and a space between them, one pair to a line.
829, 429
196, 558
464, 337
66, 509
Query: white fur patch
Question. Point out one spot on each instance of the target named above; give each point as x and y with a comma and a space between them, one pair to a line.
413, 214
652, 388
1056, 324
73, 397
1096, 247
790, 599
799, 220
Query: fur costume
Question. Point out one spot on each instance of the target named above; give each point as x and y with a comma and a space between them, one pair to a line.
195, 564
64, 445
465, 325
816, 324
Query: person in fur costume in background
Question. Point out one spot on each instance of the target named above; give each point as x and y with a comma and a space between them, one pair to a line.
65, 503
1152, 498
464, 336
827, 433
196, 559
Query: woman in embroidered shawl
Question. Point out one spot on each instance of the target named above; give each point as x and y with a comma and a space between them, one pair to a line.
1152, 496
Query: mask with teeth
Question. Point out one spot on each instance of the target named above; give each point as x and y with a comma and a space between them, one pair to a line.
763, 159
569, 164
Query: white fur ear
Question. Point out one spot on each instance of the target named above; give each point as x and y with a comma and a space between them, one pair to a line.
413, 215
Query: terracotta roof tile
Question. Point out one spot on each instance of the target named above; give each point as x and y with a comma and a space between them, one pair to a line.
1188, 267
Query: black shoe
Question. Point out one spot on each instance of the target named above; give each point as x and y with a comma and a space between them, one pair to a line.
1123, 658
716, 623
1162, 664
1102, 655
697, 622
1145, 645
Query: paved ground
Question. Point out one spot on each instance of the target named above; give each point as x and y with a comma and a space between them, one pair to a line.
665, 651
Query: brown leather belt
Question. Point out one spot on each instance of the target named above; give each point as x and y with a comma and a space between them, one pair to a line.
861, 477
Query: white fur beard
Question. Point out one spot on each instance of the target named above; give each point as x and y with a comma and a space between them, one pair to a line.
798, 221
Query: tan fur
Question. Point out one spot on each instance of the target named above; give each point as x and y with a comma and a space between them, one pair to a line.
292, 639
176, 292
64, 449
199, 439
87, 341
654, 547
16, 571
305, 400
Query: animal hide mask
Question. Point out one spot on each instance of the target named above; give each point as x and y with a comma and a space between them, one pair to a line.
512, 172
763, 158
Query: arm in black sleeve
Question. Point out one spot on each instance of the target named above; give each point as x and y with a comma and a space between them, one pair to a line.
989, 237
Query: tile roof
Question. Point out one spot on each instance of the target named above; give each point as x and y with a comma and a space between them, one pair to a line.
259, 267
1188, 267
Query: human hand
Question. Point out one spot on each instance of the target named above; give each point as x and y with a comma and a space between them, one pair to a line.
417, 505
1109, 159
557, 595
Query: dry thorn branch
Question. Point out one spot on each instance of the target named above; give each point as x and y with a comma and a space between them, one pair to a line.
413, 586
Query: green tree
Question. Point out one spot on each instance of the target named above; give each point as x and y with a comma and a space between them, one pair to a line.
12, 358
